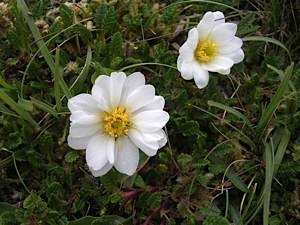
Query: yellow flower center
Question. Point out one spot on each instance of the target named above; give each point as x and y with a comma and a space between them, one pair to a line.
206, 50
116, 123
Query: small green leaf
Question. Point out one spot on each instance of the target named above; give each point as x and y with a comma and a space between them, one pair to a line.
106, 18
71, 156
215, 220
66, 14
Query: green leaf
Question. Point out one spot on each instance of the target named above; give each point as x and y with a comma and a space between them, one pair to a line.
17, 108
268, 183
230, 110
275, 101
184, 160
115, 46
78, 83
71, 156
66, 14
44, 106
139, 182
4, 207
237, 181
109, 220
106, 19
86, 220
268, 40
7, 111
215, 220
281, 149
235, 215
43, 48
34, 201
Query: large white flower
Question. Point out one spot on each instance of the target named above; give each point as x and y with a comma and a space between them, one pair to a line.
210, 47
121, 116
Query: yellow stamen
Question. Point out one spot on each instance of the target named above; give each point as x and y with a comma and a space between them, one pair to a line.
116, 123
206, 50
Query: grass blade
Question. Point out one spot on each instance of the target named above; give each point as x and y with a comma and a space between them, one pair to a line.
84, 72
285, 138
244, 138
268, 40
4, 84
235, 215
7, 111
236, 181
19, 110
275, 101
44, 106
230, 110
203, 1
268, 184
41, 44
57, 93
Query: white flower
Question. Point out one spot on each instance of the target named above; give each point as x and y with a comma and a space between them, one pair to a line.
210, 47
121, 116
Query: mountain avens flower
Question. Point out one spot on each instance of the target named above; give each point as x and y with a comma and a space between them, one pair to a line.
210, 47
119, 117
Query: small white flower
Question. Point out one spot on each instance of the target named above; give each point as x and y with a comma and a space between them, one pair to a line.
120, 116
210, 47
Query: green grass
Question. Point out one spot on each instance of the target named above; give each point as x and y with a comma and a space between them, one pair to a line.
233, 148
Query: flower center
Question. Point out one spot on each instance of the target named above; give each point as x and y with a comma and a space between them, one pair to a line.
116, 123
206, 50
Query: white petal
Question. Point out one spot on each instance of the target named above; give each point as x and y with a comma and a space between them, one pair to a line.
196, 71
150, 121
219, 63
206, 25
163, 140
96, 157
186, 55
101, 91
157, 103
83, 102
231, 46
180, 61
140, 97
201, 76
187, 49
219, 17
224, 72
133, 81
149, 147
110, 150
80, 117
127, 158
78, 143
223, 33
117, 80
79, 130
102, 171
158, 136
187, 71
236, 56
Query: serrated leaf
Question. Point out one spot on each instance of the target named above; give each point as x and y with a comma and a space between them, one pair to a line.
184, 160
115, 46
215, 220
109, 220
106, 19
66, 14
71, 156
139, 182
